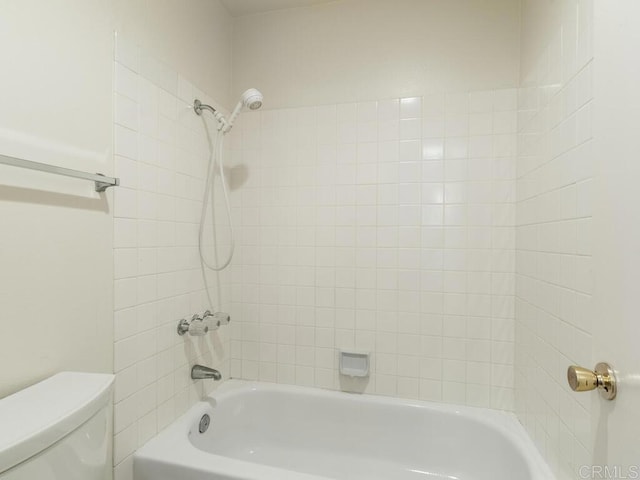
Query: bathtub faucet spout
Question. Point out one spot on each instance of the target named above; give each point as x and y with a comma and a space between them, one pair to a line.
200, 372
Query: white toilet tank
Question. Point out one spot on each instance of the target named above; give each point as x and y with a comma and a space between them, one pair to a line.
58, 429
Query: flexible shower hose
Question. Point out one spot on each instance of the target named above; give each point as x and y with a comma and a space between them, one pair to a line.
208, 198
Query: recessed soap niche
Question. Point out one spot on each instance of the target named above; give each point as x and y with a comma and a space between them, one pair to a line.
354, 364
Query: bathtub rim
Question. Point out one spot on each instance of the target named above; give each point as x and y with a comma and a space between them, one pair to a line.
163, 448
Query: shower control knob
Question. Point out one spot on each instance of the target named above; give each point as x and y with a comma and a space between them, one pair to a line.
196, 327
223, 318
211, 320
217, 319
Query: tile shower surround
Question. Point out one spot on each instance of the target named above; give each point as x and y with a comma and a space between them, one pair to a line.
386, 227
554, 221
161, 154
372, 226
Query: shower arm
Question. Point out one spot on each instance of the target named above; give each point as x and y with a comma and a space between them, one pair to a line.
198, 107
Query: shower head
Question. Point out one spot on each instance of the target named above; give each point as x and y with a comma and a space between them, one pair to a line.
252, 99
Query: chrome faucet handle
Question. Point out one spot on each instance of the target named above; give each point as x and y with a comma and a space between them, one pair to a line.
223, 318
218, 319
211, 320
196, 326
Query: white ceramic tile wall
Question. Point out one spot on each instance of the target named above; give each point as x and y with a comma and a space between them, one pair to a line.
160, 156
385, 226
554, 264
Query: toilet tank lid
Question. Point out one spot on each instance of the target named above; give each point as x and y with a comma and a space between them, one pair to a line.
35, 418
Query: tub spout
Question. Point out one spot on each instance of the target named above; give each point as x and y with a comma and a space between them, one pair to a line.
200, 372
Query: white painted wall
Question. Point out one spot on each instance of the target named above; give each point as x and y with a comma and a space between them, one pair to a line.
193, 37
56, 287
357, 50
56, 250
55, 280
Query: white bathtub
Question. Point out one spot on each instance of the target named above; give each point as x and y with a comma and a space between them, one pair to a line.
272, 432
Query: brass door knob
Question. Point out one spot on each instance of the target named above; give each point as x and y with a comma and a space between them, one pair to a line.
603, 378
581, 379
